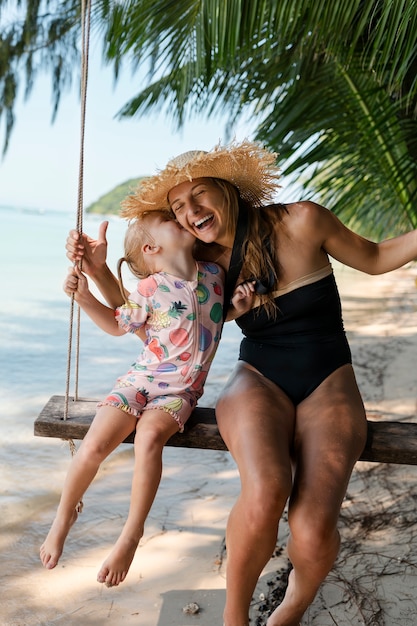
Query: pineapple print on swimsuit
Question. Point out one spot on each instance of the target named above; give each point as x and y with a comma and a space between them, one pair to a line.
183, 322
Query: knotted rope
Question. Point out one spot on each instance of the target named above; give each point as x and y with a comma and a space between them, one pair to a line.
85, 45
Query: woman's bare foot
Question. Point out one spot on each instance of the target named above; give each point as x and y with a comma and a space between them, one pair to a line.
116, 566
51, 549
291, 609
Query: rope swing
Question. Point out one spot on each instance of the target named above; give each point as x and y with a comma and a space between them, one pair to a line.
388, 442
85, 46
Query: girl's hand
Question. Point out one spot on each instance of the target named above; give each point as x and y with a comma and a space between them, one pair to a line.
92, 253
242, 299
76, 284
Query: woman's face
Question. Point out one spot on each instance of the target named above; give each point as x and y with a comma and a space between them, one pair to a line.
198, 205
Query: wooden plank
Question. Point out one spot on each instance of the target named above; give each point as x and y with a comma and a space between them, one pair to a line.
201, 428
391, 442
388, 442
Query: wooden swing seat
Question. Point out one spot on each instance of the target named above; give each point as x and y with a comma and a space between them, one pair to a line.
388, 442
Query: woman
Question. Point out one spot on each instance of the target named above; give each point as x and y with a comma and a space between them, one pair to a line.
291, 413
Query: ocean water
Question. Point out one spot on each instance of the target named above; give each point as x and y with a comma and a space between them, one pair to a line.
34, 333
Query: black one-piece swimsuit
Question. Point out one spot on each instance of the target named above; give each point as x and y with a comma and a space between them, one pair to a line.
305, 342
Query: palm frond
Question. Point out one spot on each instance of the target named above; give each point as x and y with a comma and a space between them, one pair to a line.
332, 85
353, 150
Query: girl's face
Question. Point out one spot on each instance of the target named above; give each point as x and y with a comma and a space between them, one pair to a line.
198, 206
168, 233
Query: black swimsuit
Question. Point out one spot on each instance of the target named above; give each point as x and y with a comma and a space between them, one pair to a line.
306, 341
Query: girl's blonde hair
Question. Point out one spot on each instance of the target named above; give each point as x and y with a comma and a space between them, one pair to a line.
136, 237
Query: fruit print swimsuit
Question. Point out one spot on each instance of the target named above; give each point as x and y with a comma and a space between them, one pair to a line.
183, 322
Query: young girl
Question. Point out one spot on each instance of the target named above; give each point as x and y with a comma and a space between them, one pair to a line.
178, 305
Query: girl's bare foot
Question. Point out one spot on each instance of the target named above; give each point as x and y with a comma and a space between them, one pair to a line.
116, 566
51, 549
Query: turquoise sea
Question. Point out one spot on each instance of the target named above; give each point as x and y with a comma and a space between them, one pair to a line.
34, 331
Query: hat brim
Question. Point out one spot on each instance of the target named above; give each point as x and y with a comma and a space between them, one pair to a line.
248, 166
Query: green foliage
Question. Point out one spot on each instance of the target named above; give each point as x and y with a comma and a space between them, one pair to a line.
43, 35
109, 203
332, 86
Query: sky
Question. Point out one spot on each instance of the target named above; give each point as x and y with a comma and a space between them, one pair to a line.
40, 169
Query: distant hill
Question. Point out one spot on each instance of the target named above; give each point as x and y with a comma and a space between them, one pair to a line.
110, 202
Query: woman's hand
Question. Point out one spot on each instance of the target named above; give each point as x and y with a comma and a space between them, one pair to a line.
91, 253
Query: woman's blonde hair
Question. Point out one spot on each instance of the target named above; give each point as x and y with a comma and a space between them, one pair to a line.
259, 249
136, 237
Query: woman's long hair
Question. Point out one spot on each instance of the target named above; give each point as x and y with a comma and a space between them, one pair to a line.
259, 248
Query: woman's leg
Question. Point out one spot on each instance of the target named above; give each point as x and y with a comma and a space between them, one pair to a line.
153, 430
256, 420
330, 436
108, 429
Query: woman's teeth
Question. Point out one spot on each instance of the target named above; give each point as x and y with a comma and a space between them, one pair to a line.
203, 220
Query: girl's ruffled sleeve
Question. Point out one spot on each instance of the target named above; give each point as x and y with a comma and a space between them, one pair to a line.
133, 314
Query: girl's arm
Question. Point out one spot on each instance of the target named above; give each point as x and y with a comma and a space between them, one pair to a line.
76, 283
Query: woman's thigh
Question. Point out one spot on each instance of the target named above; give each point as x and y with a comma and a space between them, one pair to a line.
256, 421
330, 434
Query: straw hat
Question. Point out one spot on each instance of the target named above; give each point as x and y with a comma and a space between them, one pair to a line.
247, 165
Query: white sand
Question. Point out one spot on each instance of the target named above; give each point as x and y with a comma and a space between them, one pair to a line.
181, 559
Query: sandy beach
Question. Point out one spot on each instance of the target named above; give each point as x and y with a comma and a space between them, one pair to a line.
181, 559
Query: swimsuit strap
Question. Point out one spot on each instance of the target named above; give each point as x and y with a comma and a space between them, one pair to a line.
236, 260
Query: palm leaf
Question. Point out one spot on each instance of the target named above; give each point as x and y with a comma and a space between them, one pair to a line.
353, 151
332, 85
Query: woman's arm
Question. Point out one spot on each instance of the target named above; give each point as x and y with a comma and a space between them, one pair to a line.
103, 316
92, 254
351, 249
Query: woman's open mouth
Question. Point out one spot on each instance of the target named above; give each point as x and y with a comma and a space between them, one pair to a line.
203, 222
